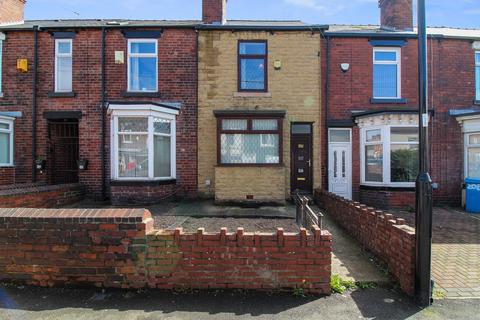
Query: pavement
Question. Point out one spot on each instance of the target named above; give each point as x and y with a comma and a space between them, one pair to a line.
455, 252
30, 303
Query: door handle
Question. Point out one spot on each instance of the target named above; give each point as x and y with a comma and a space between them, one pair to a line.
309, 163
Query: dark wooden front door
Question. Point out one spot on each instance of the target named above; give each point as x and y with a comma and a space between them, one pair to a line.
301, 159
63, 155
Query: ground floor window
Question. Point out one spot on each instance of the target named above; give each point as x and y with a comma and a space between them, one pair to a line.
6, 141
143, 146
389, 155
249, 141
473, 155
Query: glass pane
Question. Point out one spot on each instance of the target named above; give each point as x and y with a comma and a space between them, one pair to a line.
252, 74
265, 124
143, 74
374, 163
4, 147
5, 126
234, 124
385, 56
162, 126
63, 47
250, 148
253, 48
64, 74
301, 129
343, 164
408, 134
473, 163
385, 81
477, 82
374, 135
339, 136
133, 124
404, 163
132, 156
142, 47
335, 164
162, 157
474, 139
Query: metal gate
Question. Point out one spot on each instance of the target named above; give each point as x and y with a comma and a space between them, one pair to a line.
64, 156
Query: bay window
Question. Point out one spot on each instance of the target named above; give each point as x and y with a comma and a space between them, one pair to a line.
250, 141
389, 155
143, 145
473, 156
386, 73
6, 141
142, 65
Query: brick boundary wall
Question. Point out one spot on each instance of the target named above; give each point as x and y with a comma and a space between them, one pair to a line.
387, 237
118, 248
40, 196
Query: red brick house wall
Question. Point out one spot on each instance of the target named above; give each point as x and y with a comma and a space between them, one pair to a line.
177, 76
452, 86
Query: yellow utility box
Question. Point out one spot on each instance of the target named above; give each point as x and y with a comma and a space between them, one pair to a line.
22, 65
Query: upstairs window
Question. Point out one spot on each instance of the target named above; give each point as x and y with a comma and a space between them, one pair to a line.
386, 73
6, 142
252, 66
477, 76
63, 65
250, 141
142, 65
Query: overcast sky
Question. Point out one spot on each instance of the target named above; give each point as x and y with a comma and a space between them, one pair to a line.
456, 13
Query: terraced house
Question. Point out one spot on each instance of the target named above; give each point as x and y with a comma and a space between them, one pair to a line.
259, 110
108, 104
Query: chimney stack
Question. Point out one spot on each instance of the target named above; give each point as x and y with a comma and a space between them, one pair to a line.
396, 14
11, 11
214, 11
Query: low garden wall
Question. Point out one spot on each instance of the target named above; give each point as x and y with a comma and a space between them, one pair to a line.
40, 196
388, 238
120, 248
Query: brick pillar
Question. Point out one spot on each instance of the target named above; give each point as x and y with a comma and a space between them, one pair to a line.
396, 14
11, 11
214, 11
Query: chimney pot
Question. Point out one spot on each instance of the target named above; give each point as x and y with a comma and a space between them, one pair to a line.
396, 14
11, 11
214, 11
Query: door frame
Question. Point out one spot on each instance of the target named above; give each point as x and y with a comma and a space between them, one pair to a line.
350, 172
292, 163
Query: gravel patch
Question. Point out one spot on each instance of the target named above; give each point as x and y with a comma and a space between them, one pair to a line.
190, 224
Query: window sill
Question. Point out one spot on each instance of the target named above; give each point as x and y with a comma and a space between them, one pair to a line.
128, 94
1, 94
252, 95
476, 102
387, 187
61, 94
140, 183
388, 101
251, 165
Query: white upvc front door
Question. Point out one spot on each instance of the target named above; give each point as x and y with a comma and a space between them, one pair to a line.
340, 162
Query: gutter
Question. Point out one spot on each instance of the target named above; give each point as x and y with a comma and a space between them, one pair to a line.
34, 103
103, 122
261, 28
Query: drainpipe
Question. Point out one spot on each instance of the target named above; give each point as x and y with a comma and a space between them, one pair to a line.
327, 87
103, 105
34, 103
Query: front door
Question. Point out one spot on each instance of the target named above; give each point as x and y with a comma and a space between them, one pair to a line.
64, 155
301, 158
340, 162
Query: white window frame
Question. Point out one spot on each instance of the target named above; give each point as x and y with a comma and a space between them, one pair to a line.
398, 63
386, 143
10, 131
150, 112
63, 55
141, 55
2, 38
467, 146
477, 65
